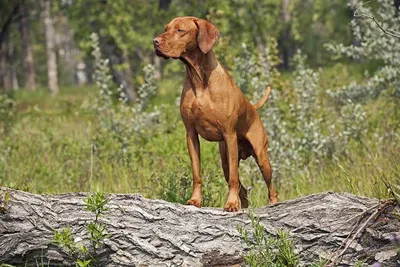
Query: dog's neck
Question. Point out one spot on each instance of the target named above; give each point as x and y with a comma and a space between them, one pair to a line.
199, 67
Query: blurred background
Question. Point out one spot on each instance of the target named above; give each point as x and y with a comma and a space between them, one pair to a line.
85, 104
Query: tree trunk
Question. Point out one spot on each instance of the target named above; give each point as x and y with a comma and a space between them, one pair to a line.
68, 58
285, 41
146, 232
157, 66
13, 66
89, 70
50, 48
1, 69
8, 22
121, 77
164, 4
6, 65
27, 48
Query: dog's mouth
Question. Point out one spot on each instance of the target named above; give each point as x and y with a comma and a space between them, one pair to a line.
159, 53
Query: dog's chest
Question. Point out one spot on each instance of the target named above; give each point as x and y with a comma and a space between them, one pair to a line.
202, 114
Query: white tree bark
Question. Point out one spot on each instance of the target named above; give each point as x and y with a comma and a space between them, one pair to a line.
27, 47
50, 47
146, 232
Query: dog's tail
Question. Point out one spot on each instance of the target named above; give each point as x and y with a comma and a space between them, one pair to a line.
264, 98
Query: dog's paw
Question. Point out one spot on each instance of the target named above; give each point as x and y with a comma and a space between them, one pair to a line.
273, 198
194, 202
231, 206
273, 201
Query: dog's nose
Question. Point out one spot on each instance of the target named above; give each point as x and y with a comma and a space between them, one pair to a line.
156, 41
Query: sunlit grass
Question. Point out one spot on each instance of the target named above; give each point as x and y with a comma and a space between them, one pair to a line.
51, 148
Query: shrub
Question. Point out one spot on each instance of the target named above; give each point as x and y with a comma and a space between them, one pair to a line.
125, 123
7, 106
265, 249
374, 44
302, 131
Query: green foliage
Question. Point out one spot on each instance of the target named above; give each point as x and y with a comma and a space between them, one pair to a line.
315, 23
116, 118
128, 27
254, 71
65, 239
265, 249
131, 25
83, 263
301, 133
374, 45
60, 159
4, 198
83, 257
332, 128
6, 107
7, 112
175, 186
97, 233
90, 137
96, 203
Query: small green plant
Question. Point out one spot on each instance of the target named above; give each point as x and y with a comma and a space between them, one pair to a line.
65, 239
96, 203
97, 231
82, 263
267, 250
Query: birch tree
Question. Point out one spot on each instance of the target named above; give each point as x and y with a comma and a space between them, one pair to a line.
27, 47
50, 47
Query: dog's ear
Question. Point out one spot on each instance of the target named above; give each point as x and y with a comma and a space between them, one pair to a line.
207, 35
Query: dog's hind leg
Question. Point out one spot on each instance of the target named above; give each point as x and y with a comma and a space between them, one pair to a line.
259, 141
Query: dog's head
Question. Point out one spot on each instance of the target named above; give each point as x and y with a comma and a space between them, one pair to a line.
183, 35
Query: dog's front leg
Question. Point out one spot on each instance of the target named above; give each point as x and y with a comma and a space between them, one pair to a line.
232, 203
193, 144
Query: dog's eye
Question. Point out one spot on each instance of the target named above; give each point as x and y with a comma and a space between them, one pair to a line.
180, 30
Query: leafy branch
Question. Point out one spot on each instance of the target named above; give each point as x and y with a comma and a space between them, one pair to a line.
386, 31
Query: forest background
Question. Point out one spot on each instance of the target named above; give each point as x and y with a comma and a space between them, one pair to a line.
85, 104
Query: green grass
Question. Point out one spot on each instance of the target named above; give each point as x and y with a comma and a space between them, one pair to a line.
53, 145
267, 250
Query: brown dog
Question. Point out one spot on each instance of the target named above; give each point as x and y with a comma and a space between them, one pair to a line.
213, 106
